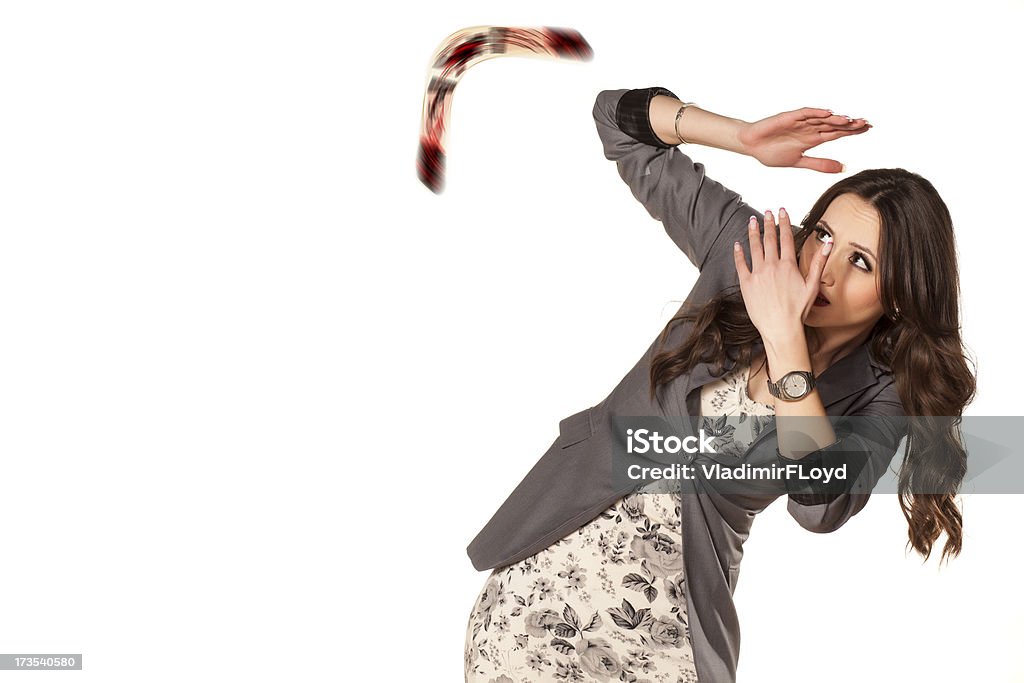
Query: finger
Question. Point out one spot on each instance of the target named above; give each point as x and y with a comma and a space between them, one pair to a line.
854, 127
837, 122
809, 114
817, 267
814, 112
860, 129
818, 164
771, 242
835, 134
756, 248
741, 263
786, 244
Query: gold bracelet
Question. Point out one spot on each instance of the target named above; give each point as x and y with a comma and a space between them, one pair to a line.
679, 115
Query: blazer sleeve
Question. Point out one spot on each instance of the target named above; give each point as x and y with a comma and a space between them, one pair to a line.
695, 210
873, 438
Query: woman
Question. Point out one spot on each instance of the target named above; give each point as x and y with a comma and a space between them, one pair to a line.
853, 314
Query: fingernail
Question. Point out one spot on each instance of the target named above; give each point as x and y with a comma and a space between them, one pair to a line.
842, 168
782, 212
736, 246
768, 214
753, 220
827, 248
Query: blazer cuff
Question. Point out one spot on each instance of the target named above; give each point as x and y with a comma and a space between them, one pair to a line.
810, 460
633, 115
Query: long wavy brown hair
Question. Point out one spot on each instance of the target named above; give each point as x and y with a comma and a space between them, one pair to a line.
918, 336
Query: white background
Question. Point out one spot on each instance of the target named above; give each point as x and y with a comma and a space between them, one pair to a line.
244, 353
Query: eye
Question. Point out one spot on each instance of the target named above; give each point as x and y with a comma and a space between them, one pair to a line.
859, 258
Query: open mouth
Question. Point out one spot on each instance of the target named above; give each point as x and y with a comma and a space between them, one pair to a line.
821, 301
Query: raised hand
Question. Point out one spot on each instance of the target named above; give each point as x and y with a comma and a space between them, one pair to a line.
782, 139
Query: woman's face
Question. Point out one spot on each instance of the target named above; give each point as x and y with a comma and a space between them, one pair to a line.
850, 280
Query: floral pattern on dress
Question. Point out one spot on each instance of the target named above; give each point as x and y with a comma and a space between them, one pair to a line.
605, 603
608, 601
731, 417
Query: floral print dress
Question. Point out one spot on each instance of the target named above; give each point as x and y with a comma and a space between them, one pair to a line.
607, 602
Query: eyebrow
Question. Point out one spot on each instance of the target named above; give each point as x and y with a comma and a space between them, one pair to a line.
859, 246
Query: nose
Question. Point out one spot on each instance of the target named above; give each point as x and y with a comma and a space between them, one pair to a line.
827, 276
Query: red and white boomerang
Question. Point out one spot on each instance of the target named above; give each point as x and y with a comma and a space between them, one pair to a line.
463, 49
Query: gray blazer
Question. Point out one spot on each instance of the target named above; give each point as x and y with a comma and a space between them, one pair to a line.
571, 483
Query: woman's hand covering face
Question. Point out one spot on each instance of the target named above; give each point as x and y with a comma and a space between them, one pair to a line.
777, 295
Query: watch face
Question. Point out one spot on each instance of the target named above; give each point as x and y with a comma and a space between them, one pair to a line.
794, 385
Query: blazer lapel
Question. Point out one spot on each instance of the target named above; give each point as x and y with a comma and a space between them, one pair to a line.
850, 375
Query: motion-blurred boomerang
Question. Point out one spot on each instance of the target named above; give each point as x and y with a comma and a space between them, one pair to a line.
462, 50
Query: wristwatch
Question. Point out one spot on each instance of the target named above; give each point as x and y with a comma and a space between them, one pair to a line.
792, 386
